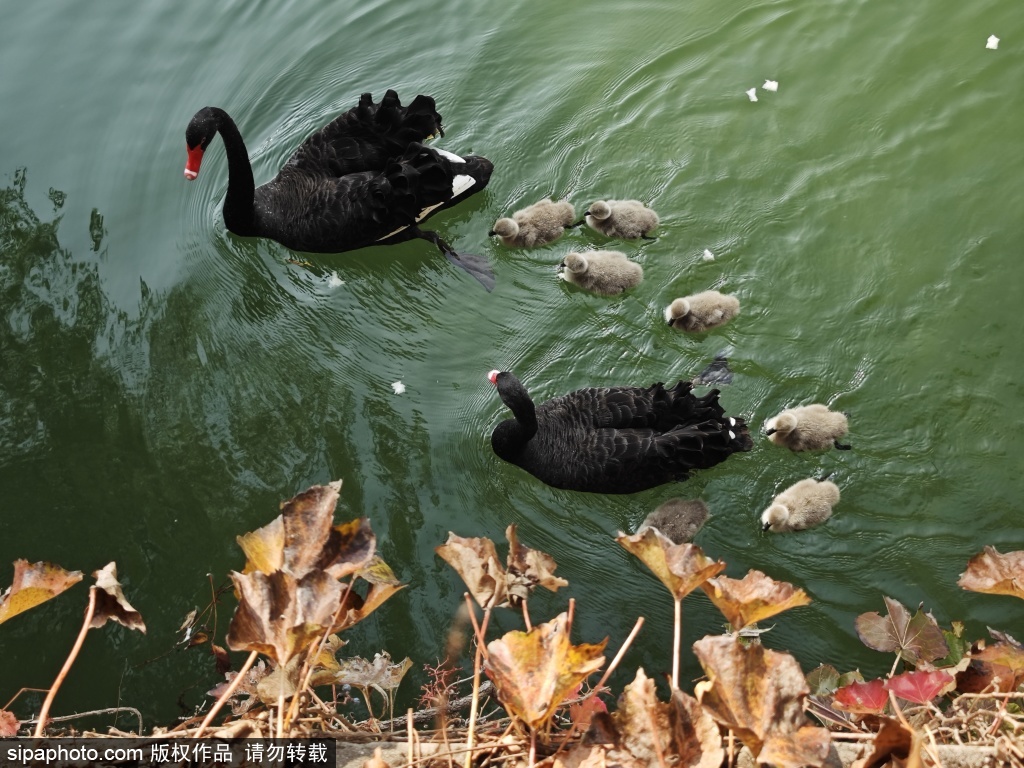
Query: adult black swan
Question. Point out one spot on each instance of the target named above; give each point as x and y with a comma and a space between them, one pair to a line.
364, 179
615, 439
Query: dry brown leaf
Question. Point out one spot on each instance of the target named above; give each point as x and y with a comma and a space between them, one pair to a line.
34, 583
893, 743
529, 568
279, 615
111, 604
534, 671
349, 549
476, 561
759, 694
301, 538
642, 723
374, 598
681, 731
753, 598
697, 738
8, 724
680, 567
376, 571
281, 683
994, 573
247, 688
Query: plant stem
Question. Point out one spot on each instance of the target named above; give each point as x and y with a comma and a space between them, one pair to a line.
227, 693
618, 657
477, 657
45, 711
676, 640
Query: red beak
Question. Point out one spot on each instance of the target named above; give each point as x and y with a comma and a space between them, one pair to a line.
195, 158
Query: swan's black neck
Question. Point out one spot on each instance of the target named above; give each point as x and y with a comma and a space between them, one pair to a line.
510, 437
239, 213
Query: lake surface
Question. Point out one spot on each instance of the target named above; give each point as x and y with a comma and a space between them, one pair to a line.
164, 384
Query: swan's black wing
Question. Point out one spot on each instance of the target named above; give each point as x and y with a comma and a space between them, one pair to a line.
367, 136
629, 460
308, 212
653, 407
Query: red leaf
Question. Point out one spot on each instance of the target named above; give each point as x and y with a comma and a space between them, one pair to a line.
919, 686
865, 698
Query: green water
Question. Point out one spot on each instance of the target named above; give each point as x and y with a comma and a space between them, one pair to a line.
163, 384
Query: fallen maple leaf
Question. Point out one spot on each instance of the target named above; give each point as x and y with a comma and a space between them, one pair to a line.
680, 567
994, 573
916, 639
34, 583
247, 688
921, 686
279, 615
866, 698
111, 604
759, 694
753, 598
534, 671
893, 743
302, 538
476, 561
642, 724
528, 569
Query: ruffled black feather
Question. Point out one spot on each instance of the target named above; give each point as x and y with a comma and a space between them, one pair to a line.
615, 439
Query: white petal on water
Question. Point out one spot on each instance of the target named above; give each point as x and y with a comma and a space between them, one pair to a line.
752, 94
708, 255
399, 387
771, 85
993, 42
333, 281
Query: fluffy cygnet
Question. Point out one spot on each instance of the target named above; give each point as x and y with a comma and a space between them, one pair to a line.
702, 311
803, 505
808, 428
628, 219
605, 272
537, 224
678, 519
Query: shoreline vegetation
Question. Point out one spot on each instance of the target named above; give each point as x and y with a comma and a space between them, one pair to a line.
537, 699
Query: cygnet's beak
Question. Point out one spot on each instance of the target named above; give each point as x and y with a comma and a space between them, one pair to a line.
771, 431
560, 267
766, 527
492, 233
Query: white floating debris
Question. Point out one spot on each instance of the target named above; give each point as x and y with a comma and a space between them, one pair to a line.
399, 387
993, 42
333, 281
771, 85
708, 255
752, 94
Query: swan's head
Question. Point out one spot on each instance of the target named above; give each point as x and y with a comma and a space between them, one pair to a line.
200, 132
677, 309
776, 514
600, 210
505, 227
785, 422
575, 262
493, 376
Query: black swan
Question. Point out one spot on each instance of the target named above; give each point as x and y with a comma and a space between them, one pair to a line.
363, 179
615, 439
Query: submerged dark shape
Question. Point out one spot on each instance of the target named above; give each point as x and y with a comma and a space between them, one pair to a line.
717, 372
615, 439
363, 179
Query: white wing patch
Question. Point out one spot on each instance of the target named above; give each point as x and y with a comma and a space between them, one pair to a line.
450, 155
460, 184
